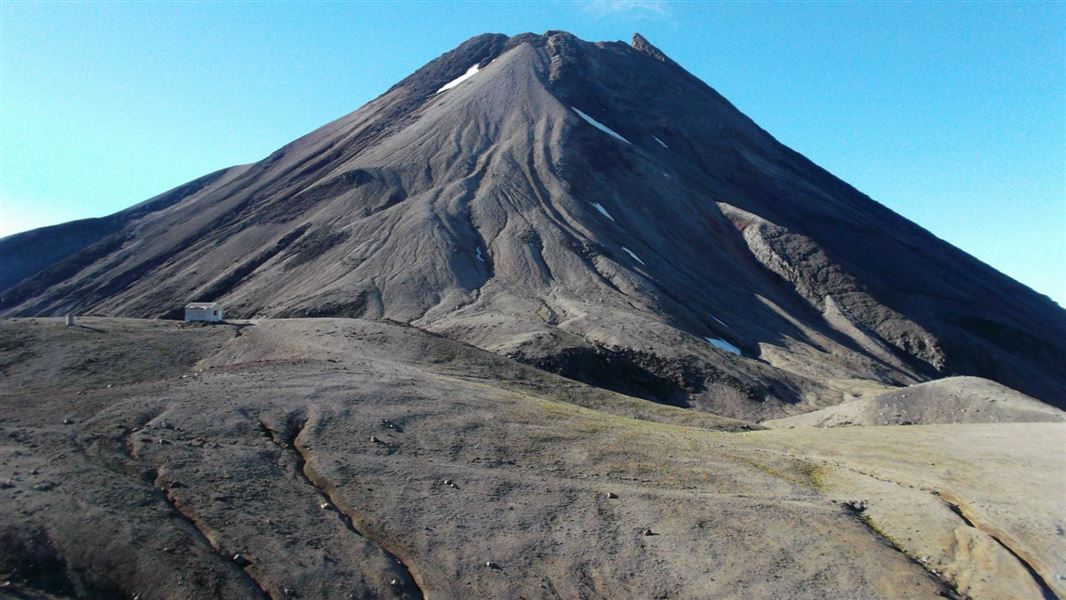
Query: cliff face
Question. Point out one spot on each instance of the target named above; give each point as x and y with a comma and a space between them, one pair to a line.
588, 207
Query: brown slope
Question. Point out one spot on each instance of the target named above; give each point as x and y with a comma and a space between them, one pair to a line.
951, 400
476, 212
140, 455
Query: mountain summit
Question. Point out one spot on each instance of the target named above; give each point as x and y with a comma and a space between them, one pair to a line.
589, 208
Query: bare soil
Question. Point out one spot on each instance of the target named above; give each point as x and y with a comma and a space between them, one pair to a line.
338, 458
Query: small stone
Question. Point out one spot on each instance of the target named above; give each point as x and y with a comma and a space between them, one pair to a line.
856, 506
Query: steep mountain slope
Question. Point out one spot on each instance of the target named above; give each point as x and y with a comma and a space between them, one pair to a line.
592, 209
24, 254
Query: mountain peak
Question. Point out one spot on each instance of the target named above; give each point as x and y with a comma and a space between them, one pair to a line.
580, 207
641, 44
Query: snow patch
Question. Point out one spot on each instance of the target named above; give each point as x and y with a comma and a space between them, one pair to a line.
661, 143
599, 125
722, 344
469, 73
635, 257
719, 321
479, 256
603, 211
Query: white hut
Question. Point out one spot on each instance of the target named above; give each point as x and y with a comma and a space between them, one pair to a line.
210, 312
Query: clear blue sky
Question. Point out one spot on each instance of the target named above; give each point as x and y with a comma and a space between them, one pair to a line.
953, 114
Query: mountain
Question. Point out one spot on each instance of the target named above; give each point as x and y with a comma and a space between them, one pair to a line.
592, 209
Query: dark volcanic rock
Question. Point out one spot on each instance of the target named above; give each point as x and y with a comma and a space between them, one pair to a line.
654, 221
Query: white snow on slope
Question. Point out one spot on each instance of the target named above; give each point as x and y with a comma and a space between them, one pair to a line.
661, 143
724, 345
600, 126
635, 257
719, 320
602, 210
469, 73
479, 256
